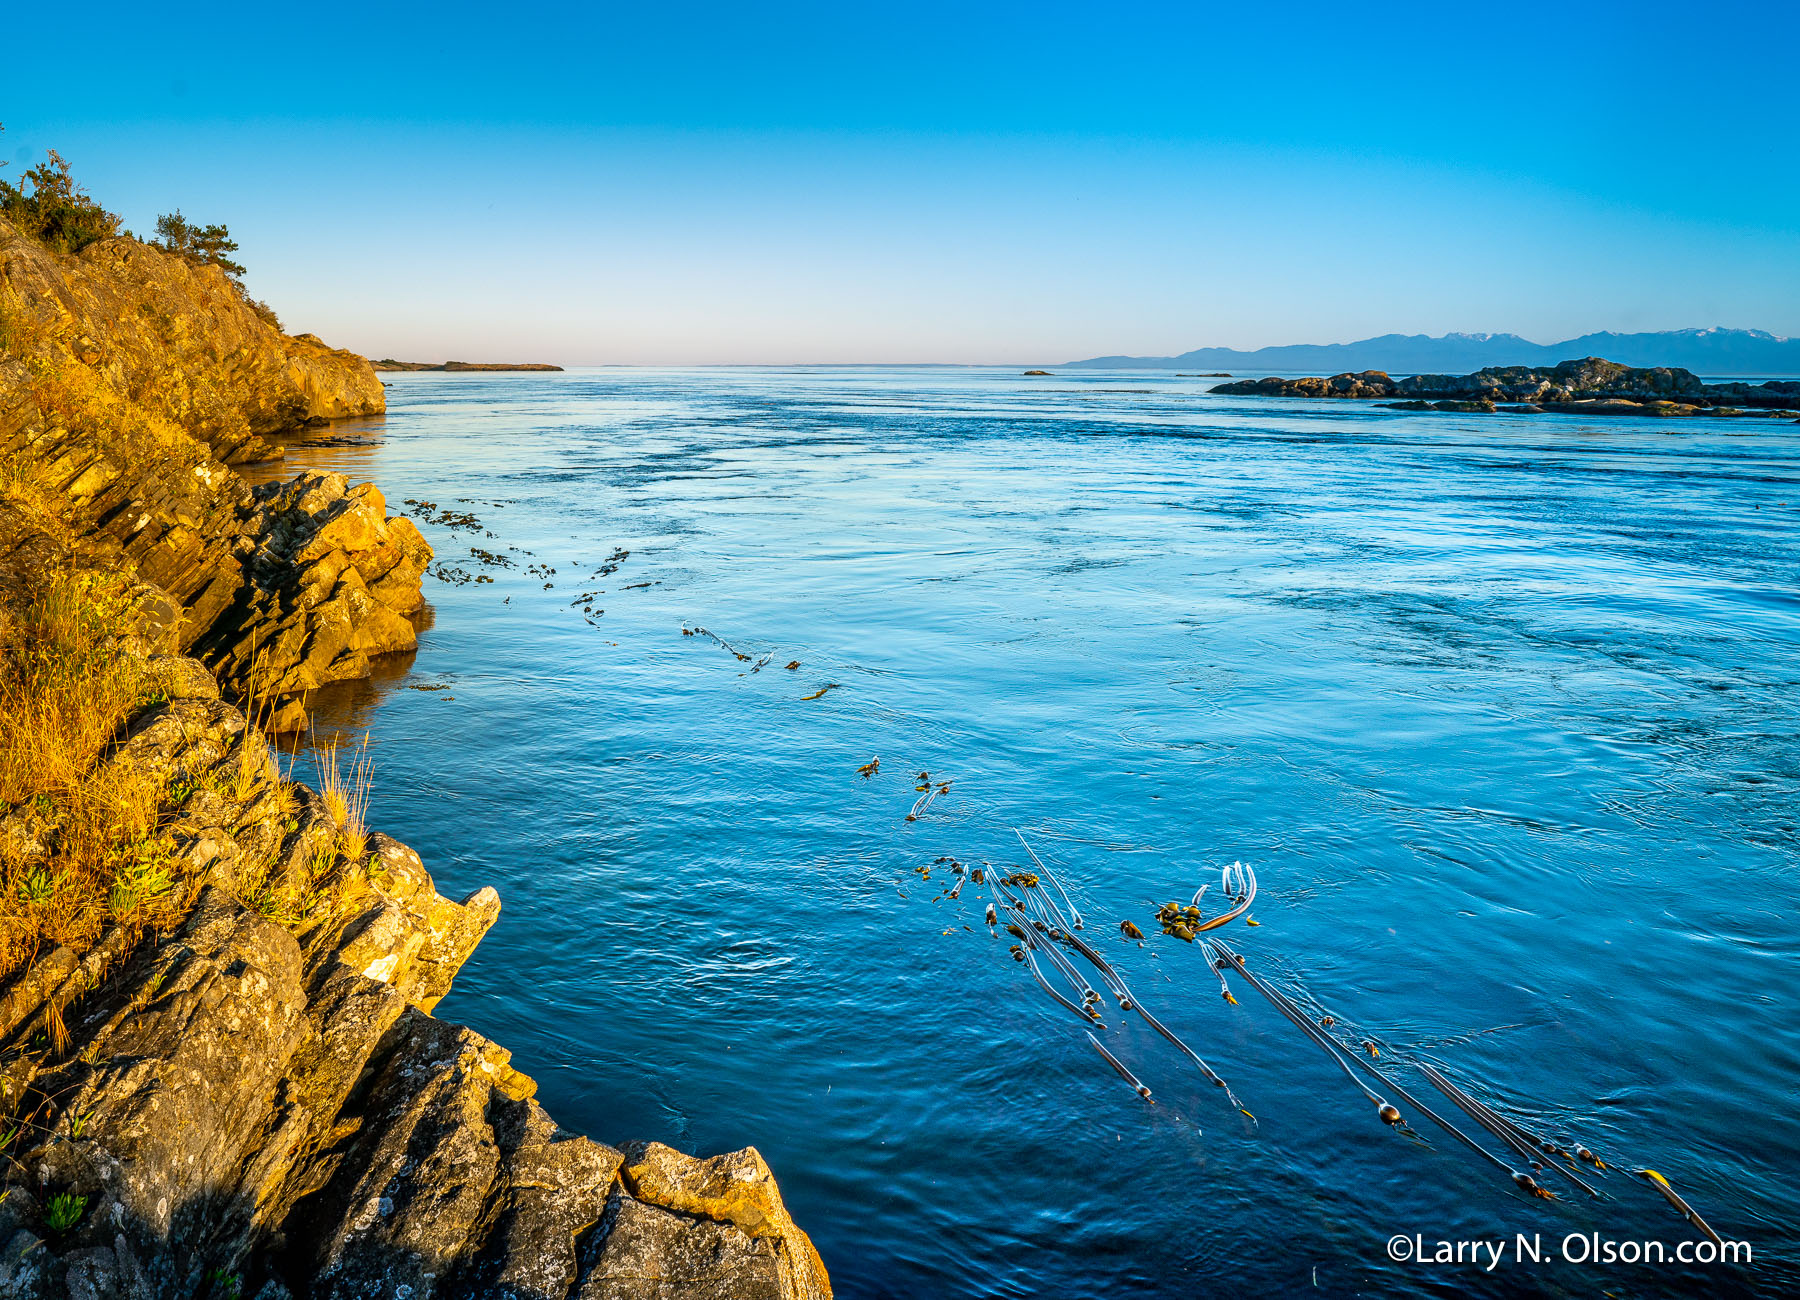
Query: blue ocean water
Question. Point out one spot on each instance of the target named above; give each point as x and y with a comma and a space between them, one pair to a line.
1502, 710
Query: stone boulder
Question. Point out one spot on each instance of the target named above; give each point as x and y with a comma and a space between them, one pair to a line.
332, 582
1368, 384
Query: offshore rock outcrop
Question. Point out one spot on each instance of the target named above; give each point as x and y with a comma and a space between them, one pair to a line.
263, 1105
1590, 386
388, 363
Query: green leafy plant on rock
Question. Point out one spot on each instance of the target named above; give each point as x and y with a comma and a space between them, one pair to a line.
64, 1211
145, 873
224, 1283
38, 886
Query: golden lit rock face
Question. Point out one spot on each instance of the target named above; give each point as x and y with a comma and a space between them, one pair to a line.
268, 1085
330, 583
130, 380
735, 1189
178, 340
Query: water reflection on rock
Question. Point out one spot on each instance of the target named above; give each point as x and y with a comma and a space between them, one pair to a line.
342, 711
346, 447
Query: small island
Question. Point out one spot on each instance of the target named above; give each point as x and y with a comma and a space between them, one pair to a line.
1591, 386
388, 363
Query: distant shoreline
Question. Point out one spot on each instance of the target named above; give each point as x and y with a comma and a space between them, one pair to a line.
1713, 351
388, 363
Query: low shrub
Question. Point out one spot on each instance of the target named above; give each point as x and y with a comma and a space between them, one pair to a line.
50, 207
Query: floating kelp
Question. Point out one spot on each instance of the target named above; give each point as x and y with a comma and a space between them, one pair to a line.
612, 563
721, 642
1185, 921
828, 686
1038, 911
455, 575
1686, 1211
1515, 1137
455, 520
1049, 930
1388, 1112
1124, 1074
931, 792
1051, 876
1521, 1143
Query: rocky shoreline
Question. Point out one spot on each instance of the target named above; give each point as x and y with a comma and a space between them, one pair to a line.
1587, 387
246, 1107
250, 1097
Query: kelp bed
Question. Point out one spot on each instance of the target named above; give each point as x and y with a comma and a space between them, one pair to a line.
1035, 908
1049, 931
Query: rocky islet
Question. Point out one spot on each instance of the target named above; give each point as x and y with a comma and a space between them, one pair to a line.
1591, 386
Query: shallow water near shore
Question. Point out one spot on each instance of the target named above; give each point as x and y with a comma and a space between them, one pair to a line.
1501, 709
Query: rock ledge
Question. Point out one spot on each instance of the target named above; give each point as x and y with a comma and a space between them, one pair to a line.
259, 1109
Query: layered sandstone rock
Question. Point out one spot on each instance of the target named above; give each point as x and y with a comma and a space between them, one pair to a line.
332, 580
128, 378
262, 1104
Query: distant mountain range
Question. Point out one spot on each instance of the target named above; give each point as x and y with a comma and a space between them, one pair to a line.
1705, 352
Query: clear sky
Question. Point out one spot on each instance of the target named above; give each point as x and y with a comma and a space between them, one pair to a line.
922, 182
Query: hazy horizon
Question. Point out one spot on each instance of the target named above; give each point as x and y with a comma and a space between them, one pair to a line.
1019, 185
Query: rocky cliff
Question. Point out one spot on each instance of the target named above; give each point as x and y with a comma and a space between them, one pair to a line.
1589, 386
219, 1074
178, 339
388, 363
130, 380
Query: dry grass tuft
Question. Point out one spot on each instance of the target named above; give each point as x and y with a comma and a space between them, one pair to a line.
80, 847
346, 794
55, 1027
67, 687
73, 833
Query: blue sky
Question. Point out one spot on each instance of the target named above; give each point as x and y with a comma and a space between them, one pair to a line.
1007, 183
